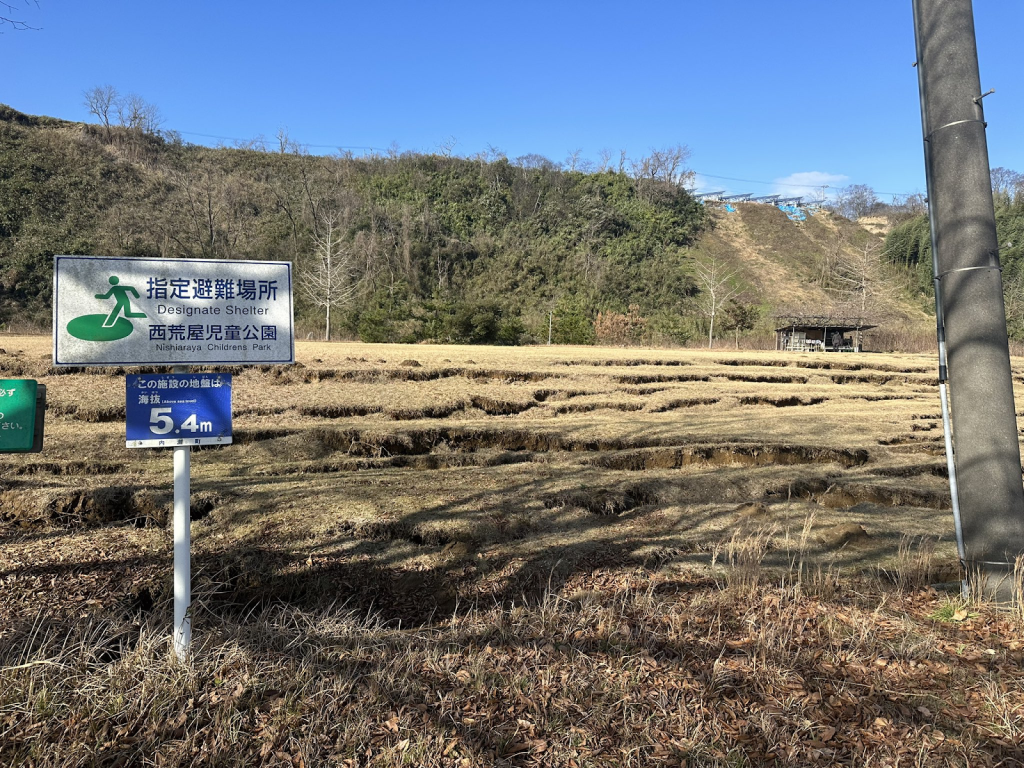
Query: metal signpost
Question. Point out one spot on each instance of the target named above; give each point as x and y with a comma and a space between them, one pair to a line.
22, 411
179, 410
174, 312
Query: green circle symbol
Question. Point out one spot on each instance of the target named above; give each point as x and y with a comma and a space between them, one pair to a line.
91, 328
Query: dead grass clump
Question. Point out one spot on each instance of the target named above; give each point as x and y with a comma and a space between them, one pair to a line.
90, 414
86, 507
60, 468
766, 378
657, 378
844, 535
833, 494
248, 436
605, 501
686, 402
203, 503
765, 362
743, 557
493, 407
100, 414
781, 402
425, 412
914, 563
157, 507
21, 508
1018, 588
661, 671
588, 407
751, 511
338, 411
730, 455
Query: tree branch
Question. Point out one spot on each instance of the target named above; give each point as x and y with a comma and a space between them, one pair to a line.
15, 23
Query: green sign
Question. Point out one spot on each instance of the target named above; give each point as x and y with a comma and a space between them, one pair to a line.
21, 420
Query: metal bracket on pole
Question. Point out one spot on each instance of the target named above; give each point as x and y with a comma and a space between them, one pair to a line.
950, 125
967, 269
989, 92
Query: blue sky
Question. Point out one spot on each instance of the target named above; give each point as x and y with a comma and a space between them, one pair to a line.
813, 91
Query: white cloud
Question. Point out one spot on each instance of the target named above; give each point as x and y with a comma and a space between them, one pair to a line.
809, 183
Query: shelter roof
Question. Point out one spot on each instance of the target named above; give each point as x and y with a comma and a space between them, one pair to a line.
838, 322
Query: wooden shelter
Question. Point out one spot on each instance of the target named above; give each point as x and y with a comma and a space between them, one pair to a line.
820, 333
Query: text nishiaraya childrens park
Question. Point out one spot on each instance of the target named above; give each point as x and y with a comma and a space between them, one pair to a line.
117, 311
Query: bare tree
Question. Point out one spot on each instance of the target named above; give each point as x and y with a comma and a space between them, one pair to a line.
905, 207
329, 282
197, 228
716, 288
137, 114
856, 201
535, 161
100, 102
256, 144
861, 284
1006, 182
666, 165
286, 144
661, 171
446, 147
133, 113
8, 8
831, 255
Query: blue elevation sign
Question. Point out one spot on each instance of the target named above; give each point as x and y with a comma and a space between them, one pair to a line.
177, 409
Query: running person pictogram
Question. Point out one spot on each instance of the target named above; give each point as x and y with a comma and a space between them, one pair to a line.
113, 325
120, 292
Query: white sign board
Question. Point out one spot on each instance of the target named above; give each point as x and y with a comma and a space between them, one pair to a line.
122, 311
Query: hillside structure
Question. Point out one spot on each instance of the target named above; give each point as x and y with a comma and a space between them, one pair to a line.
820, 333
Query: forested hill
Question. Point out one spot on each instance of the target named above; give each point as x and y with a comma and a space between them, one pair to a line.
428, 247
908, 246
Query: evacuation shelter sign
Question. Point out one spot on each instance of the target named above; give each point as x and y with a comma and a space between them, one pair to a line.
121, 311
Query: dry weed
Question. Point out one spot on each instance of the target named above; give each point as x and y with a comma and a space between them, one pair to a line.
1018, 589
633, 670
914, 563
743, 558
374, 581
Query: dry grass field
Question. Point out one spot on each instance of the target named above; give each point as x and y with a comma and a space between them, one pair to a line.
463, 556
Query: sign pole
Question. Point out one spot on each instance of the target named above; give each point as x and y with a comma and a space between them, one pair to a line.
182, 547
179, 410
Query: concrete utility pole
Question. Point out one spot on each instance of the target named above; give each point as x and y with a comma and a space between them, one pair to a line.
970, 295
